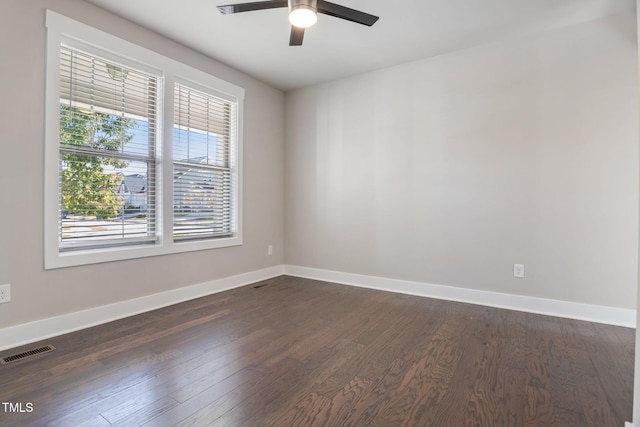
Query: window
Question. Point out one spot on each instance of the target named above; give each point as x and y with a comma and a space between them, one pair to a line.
142, 153
202, 164
107, 144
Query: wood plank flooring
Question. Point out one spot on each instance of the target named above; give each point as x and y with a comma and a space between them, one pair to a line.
299, 352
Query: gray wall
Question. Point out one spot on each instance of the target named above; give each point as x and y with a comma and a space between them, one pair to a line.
444, 171
451, 169
38, 294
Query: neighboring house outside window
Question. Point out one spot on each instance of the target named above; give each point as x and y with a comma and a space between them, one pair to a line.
133, 191
142, 153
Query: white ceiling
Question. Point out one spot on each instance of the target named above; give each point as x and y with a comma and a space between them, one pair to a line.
258, 42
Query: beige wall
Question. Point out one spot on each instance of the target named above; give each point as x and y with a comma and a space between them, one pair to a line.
443, 171
39, 294
451, 169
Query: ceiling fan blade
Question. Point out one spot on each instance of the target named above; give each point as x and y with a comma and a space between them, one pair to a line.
255, 5
347, 13
297, 34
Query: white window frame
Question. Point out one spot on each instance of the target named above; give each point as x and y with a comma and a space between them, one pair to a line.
76, 34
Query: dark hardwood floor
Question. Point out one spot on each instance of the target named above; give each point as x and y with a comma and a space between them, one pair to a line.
299, 352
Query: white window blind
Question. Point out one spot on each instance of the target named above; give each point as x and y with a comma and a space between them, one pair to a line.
203, 164
107, 152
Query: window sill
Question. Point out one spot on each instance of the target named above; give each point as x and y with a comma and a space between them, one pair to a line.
97, 256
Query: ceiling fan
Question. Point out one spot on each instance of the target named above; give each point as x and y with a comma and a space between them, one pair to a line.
303, 13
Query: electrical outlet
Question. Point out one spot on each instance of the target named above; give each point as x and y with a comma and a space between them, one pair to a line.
518, 270
5, 293
270, 250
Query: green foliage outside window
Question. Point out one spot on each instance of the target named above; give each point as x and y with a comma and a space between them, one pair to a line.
87, 187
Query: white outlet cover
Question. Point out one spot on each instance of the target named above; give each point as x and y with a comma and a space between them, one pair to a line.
5, 293
518, 270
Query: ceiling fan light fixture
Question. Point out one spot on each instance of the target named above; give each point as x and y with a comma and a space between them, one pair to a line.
303, 13
303, 17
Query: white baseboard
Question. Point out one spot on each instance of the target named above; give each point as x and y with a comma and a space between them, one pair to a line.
628, 424
26, 333
571, 310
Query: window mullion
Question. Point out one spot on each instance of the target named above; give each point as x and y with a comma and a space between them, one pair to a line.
166, 176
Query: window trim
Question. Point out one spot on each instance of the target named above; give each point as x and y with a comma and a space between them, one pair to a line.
63, 29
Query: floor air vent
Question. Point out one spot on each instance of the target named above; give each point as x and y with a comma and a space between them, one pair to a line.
25, 354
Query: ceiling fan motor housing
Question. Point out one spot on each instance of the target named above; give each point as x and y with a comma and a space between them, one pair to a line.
304, 4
